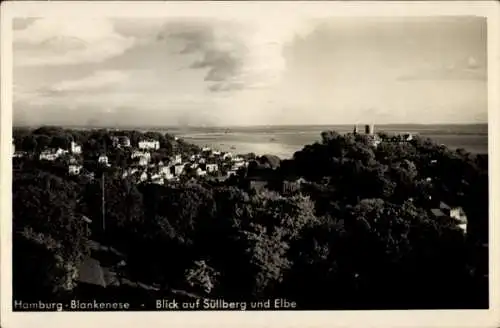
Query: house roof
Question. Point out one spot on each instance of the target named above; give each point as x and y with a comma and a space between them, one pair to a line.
91, 272
437, 212
443, 206
86, 219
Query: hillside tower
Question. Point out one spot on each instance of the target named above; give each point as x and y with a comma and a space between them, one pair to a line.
369, 129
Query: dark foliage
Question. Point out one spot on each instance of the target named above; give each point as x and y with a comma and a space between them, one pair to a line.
357, 233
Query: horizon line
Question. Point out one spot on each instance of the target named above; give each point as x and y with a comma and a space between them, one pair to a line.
106, 126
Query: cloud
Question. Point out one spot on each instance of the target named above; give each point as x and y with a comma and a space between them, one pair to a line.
218, 46
22, 23
97, 81
68, 41
229, 86
235, 56
469, 69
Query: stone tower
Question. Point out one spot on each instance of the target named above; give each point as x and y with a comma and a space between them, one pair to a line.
369, 129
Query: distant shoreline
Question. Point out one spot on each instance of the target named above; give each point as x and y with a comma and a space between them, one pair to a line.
163, 127
284, 140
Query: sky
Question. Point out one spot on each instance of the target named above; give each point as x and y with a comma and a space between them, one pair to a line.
259, 71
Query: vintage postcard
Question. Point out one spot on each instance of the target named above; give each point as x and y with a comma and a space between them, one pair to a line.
249, 163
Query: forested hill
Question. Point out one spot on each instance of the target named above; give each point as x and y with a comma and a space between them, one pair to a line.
344, 224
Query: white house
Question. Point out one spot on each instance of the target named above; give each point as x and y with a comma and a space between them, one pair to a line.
143, 161
178, 169
143, 177
61, 152
200, 172
177, 159
52, 154
103, 159
166, 172
75, 148
458, 214
202, 161
238, 165
230, 173
206, 149
48, 155
212, 168
74, 169
157, 179
227, 155
138, 153
164, 169
149, 144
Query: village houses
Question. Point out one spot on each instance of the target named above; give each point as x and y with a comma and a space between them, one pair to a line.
157, 179
456, 213
139, 153
75, 148
120, 141
149, 144
52, 154
211, 168
129, 172
178, 169
143, 161
166, 172
200, 172
177, 159
74, 169
144, 176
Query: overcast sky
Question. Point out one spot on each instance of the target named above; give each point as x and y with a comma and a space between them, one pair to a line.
250, 72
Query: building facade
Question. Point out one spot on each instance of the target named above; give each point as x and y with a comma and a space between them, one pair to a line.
149, 144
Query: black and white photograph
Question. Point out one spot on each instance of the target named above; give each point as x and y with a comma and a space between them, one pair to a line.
271, 161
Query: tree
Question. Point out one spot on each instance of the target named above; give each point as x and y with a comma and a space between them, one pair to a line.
42, 141
201, 277
45, 223
29, 143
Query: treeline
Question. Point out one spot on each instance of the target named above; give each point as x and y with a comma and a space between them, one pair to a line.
94, 140
359, 234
